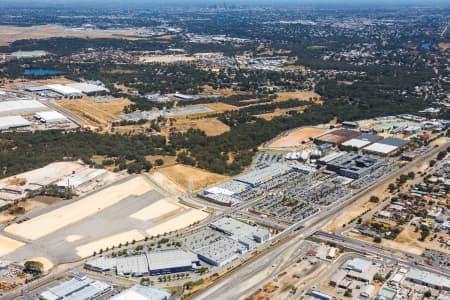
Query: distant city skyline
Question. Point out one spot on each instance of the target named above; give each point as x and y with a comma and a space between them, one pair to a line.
197, 3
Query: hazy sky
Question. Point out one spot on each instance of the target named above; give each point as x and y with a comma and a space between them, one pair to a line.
153, 3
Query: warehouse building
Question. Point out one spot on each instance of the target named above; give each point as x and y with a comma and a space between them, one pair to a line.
260, 176
62, 90
139, 292
81, 178
50, 117
338, 136
362, 141
20, 107
89, 88
135, 266
221, 252
354, 166
429, 279
77, 288
13, 122
172, 261
243, 233
152, 263
225, 193
388, 146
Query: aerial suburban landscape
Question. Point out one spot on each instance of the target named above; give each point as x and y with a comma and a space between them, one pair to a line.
209, 150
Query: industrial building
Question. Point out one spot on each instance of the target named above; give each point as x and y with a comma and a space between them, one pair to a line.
221, 251
50, 117
362, 141
183, 97
241, 232
17, 107
88, 88
59, 89
429, 279
338, 136
258, 177
139, 292
135, 266
361, 269
13, 122
77, 288
225, 192
388, 146
81, 178
172, 261
354, 165
152, 263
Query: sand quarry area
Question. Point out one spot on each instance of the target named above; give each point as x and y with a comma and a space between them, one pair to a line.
296, 137
122, 212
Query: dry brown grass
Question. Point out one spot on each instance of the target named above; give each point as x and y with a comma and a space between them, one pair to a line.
301, 95
280, 112
295, 137
182, 174
210, 126
98, 113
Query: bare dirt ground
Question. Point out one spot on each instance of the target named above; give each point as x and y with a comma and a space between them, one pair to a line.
301, 95
295, 137
167, 159
280, 112
98, 113
221, 107
444, 46
409, 237
388, 243
211, 126
10, 34
348, 214
180, 175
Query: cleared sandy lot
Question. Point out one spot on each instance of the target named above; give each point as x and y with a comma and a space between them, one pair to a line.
211, 126
98, 113
179, 222
45, 224
108, 242
296, 137
8, 245
301, 95
182, 174
157, 210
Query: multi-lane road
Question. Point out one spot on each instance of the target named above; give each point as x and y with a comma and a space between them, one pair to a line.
251, 275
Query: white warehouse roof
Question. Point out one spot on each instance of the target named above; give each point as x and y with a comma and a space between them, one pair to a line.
139, 292
13, 122
20, 106
63, 89
380, 148
51, 116
87, 88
